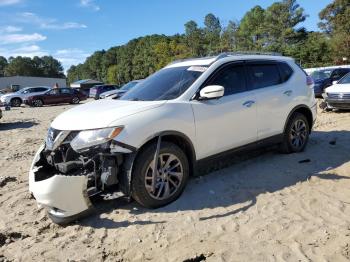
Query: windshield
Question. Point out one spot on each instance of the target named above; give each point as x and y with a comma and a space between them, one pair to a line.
318, 75
128, 86
345, 79
166, 84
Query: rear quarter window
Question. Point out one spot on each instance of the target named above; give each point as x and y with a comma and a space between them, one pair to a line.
264, 75
286, 71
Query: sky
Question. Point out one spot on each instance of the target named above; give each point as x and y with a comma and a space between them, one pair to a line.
71, 30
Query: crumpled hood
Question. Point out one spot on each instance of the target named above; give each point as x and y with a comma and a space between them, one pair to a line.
338, 88
100, 114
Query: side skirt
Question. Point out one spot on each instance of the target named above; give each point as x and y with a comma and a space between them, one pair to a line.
234, 156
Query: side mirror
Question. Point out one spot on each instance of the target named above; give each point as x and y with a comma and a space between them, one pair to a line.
334, 82
211, 92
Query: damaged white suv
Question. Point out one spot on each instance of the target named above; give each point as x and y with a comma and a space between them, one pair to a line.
150, 141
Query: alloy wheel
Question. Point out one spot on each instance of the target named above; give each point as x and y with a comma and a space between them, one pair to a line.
298, 134
167, 178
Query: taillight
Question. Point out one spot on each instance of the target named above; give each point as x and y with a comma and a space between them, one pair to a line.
309, 81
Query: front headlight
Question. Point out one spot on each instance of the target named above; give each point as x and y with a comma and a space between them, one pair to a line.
89, 138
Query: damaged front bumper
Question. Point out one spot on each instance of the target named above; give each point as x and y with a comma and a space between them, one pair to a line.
64, 197
63, 181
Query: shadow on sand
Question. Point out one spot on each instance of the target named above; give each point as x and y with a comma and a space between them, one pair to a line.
4, 126
243, 181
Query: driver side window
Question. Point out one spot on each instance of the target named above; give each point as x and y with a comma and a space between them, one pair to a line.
232, 78
54, 92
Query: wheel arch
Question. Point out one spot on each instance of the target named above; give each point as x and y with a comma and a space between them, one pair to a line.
179, 139
16, 97
303, 109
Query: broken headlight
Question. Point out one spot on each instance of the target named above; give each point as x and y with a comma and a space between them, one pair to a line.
90, 138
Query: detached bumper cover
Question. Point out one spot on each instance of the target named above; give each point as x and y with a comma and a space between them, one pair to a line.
63, 196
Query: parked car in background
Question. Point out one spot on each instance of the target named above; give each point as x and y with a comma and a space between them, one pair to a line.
99, 89
150, 140
337, 96
16, 99
56, 96
325, 78
121, 91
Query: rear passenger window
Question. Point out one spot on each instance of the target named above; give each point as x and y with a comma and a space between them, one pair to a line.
264, 75
286, 71
232, 78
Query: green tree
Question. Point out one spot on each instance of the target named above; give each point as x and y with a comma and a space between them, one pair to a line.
194, 38
112, 75
229, 37
281, 20
251, 31
336, 23
212, 32
3, 64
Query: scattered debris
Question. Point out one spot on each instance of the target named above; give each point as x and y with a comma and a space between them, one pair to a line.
199, 258
305, 161
7, 238
5, 179
333, 142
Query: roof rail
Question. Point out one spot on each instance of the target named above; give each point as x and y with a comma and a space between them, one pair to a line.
226, 54
237, 53
191, 59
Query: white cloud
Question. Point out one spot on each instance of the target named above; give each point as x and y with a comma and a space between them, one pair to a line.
47, 23
68, 25
10, 29
90, 4
9, 2
70, 56
25, 51
21, 38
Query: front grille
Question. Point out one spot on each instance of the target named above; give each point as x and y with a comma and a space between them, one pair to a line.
338, 96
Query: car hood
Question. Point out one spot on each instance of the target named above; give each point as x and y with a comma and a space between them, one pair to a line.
100, 114
112, 92
320, 81
10, 95
338, 88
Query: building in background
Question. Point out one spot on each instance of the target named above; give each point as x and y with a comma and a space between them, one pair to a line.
17, 82
85, 85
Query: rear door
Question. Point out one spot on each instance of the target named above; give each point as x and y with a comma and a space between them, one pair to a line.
66, 95
52, 97
228, 122
274, 95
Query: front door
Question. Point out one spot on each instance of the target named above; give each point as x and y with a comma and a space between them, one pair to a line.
228, 122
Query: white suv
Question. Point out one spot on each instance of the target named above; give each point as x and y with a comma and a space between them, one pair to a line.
149, 142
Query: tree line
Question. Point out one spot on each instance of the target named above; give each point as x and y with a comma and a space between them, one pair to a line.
45, 66
277, 28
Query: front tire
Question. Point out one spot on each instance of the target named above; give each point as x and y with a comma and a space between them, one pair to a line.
296, 134
16, 102
170, 177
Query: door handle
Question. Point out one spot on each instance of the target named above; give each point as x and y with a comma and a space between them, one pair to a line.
248, 103
288, 92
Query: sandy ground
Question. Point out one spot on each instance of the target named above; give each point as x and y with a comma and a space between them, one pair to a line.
267, 208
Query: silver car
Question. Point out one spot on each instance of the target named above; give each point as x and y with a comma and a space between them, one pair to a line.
16, 99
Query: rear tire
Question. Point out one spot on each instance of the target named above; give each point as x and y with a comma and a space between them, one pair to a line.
171, 178
38, 103
16, 102
75, 100
296, 134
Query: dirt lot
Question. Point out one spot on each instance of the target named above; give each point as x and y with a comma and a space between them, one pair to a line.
267, 208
